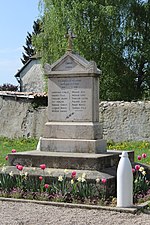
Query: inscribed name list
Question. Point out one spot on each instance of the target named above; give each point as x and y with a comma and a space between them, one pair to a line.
70, 99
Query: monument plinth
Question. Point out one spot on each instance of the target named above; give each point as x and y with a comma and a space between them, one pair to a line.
73, 107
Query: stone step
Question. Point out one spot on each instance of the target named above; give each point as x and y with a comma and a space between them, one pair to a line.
63, 160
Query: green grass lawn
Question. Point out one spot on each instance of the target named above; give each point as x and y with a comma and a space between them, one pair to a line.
23, 144
20, 144
139, 147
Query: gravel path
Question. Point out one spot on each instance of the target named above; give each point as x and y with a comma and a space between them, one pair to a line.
17, 213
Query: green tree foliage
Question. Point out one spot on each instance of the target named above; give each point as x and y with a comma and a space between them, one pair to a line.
115, 34
137, 45
29, 48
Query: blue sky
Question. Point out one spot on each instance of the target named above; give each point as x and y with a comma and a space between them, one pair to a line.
16, 19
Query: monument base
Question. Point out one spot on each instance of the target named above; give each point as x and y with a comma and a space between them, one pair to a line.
72, 145
73, 130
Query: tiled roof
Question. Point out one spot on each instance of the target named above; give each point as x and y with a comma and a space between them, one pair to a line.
23, 94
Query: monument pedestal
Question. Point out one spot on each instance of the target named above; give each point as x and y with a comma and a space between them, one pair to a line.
73, 145
83, 137
73, 130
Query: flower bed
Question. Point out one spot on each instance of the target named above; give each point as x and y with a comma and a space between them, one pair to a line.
75, 189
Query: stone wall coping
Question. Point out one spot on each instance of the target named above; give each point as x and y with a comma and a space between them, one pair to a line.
27, 95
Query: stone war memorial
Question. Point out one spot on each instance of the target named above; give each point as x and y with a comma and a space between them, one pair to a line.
72, 137
73, 107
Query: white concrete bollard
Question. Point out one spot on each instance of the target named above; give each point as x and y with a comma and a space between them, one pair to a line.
124, 182
39, 144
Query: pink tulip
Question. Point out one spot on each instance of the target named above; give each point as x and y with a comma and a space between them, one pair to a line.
13, 150
104, 180
6, 157
43, 166
139, 157
20, 167
133, 170
137, 167
40, 178
144, 155
46, 186
73, 174
17, 166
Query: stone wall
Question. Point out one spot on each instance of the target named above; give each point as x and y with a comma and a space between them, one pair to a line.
121, 121
20, 118
32, 78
